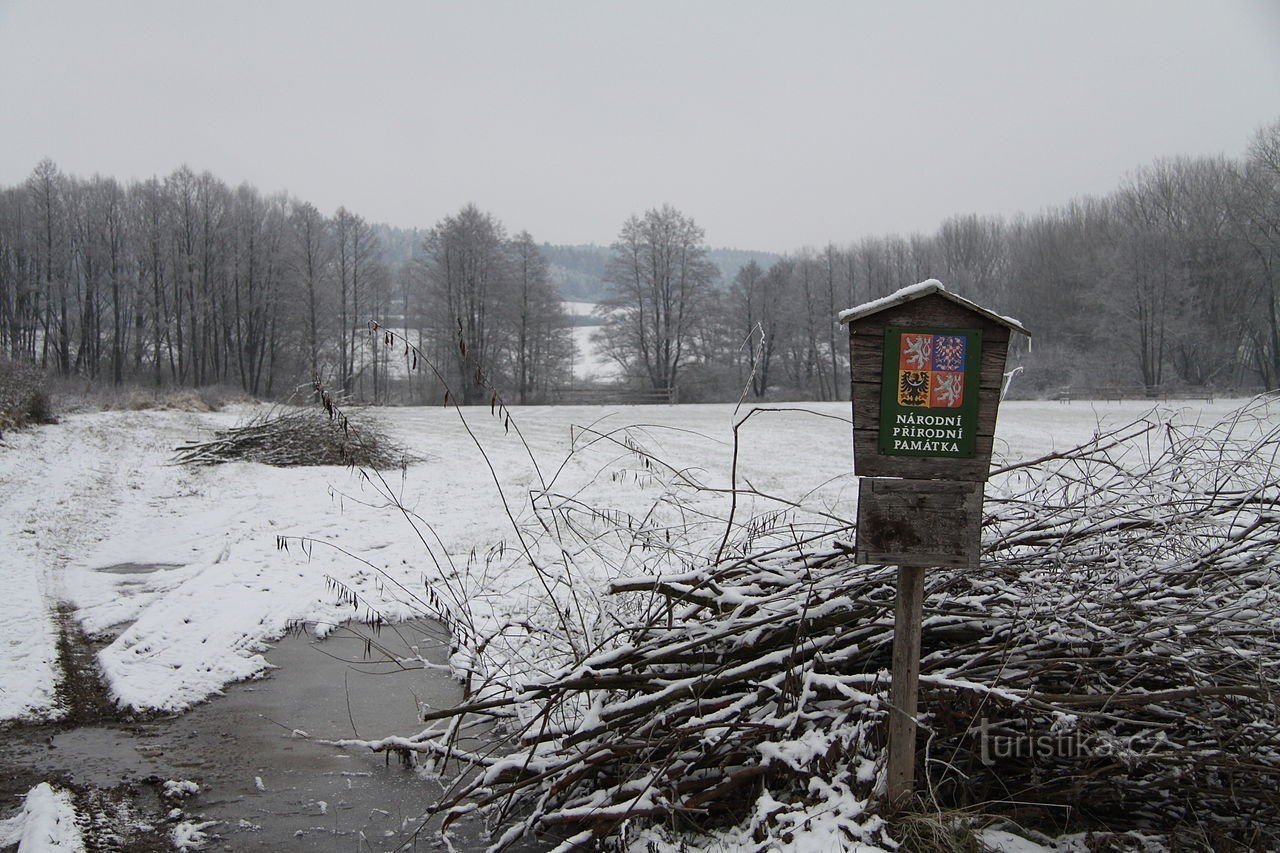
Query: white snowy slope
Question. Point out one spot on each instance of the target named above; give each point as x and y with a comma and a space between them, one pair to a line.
578, 309
98, 491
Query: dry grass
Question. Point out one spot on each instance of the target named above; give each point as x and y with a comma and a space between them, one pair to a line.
80, 396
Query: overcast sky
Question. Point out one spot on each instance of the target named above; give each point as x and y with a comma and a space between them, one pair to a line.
775, 125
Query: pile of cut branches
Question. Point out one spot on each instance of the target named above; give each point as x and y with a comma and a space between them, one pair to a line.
1115, 663
289, 437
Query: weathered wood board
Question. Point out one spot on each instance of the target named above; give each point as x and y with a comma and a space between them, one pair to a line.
919, 522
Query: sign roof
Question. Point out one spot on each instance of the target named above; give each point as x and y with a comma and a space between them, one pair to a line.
917, 291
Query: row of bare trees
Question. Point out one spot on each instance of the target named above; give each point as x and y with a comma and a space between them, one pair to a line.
1172, 280
184, 281
489, 311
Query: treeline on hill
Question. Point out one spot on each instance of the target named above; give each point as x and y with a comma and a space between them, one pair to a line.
1171, 281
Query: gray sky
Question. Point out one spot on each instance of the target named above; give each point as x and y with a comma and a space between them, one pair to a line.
775, 125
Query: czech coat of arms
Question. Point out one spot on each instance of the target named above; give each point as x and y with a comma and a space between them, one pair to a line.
931, 371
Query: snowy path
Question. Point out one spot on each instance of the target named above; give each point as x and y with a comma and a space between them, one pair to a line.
61, 489
97, 492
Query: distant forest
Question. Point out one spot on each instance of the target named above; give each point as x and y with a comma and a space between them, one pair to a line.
1168, 283
580, 272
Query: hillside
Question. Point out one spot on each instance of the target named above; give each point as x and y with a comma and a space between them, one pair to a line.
578, 271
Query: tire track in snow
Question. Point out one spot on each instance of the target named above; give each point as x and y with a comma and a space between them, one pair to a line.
32, 486
59, 489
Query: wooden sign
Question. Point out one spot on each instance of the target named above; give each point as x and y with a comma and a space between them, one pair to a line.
876, 332
926, 368
919, 522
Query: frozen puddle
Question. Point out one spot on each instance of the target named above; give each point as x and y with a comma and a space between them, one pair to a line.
266, 784
137, 568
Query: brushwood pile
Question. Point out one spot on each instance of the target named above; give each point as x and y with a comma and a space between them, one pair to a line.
1112, 667
299, 436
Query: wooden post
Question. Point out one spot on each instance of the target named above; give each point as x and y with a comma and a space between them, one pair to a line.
906, 685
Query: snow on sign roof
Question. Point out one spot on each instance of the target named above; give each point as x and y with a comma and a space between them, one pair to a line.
916, 291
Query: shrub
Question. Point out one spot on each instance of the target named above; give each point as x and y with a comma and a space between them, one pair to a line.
23, 399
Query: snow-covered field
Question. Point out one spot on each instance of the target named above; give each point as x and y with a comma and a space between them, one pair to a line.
90, 503
578, 309
590, 363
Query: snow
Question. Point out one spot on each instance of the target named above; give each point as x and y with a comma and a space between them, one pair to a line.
181, 567
98, 491
46, 823
579, 309
1001, 841
179, 789
841, 825
60, 487
191, 835
899, 296
590, 363
916, 291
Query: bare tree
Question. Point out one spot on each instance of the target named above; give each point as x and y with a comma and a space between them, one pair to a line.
1208, 322
113, 239
974, 254
256, 286
357, 247
1255, 217
312, 255
150, 223
1150, 262
757, 323
540, 327
45, 188
467, 273
660, 275
833, 270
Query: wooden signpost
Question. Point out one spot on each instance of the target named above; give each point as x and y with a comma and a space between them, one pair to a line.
927, 367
